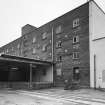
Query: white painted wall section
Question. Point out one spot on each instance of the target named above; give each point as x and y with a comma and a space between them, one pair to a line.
49, 75
97, 45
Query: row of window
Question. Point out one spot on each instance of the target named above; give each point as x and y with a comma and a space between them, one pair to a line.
76, 23
44, 48
44, 36
58, 30
75, 55
76, 73
11, 49
75, 40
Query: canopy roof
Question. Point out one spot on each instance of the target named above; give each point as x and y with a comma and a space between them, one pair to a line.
9, 59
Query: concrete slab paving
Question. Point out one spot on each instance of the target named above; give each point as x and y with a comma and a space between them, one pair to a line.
54, 96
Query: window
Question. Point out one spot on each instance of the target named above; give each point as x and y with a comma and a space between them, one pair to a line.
25, 38
75, 55
76, 73
37, 57
1, 53
66, 36
44, 72
12, 48
34, 40
7, 50
66, 50
75, 39
59, 71
59, 58
76, 46
44, 35
50, 41
50, 54
75, 22
34, 51
58, 44
18, 46
58, 29
44, 48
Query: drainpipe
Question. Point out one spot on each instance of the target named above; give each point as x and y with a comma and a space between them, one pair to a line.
52, 33
94, 71
30, 82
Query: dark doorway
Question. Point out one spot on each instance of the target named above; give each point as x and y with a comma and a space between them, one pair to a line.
76, 74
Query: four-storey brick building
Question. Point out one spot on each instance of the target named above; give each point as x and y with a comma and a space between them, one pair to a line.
64, 41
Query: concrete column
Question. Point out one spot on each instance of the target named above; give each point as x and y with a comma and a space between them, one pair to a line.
30, 82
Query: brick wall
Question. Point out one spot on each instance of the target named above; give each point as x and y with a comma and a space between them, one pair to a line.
37, 44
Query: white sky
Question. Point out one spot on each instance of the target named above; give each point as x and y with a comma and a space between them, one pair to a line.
16, 13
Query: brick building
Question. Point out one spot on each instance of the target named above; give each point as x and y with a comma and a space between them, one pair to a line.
63, 41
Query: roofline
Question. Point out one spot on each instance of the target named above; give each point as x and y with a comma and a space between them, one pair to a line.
63, 14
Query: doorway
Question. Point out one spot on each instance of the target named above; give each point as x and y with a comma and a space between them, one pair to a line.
76, 74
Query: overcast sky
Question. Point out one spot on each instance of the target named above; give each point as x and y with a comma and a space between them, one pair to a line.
16, 13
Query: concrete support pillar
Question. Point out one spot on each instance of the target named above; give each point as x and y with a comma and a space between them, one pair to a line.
30, 82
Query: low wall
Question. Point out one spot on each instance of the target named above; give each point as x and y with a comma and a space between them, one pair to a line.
26, 85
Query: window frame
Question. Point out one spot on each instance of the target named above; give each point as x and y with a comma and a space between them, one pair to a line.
76, 75
76, 55
59, 71
59, 58
33, 50
44, 35
76, 22
44, 48
77, 39
34, 40
59, 44
58, 29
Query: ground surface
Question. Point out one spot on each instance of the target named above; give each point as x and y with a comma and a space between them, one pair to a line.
55, 96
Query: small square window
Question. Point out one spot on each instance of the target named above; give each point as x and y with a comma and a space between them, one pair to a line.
1, 53
66, 50
34, 51
50, 54
59, 58
44, 35
34, 40
66, 36
59, 71
18, 46
7, 50
38, 46
75, 55
76, 23
50, 41
37, 57
44, 48
76, 46
58, 44
25, 37
58, 29
75, 39
12, 48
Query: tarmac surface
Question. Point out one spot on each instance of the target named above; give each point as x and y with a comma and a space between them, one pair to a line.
53, 96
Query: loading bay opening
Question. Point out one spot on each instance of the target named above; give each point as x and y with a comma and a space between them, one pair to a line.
19, 72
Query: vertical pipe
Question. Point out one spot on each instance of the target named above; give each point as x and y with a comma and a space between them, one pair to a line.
30, 84
94, 71
52, 53
52, 43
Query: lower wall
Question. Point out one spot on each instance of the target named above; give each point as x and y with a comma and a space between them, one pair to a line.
25, 85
